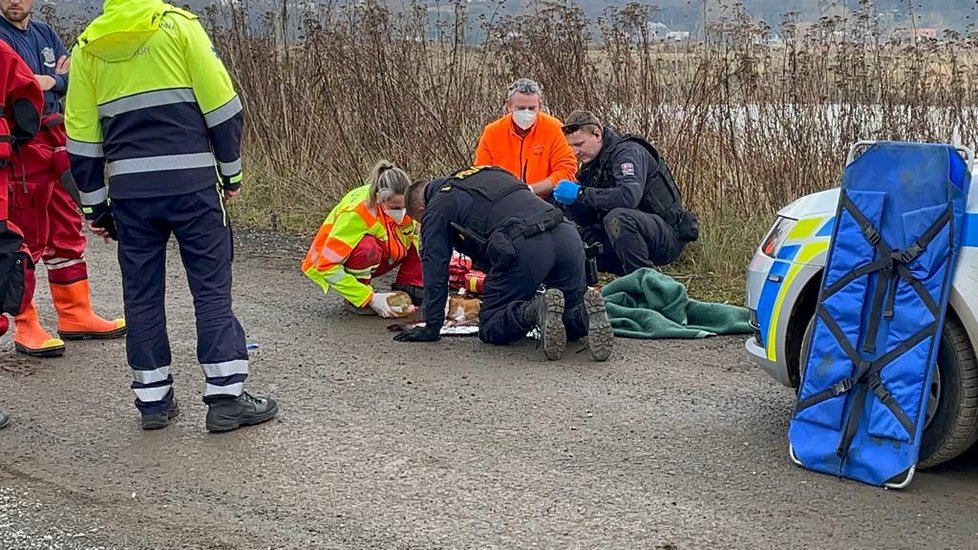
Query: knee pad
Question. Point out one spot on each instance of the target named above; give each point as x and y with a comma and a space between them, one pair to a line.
614, 221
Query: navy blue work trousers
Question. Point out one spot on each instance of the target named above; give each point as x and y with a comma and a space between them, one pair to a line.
203, 232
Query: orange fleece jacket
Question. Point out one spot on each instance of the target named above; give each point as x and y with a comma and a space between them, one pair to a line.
543, 154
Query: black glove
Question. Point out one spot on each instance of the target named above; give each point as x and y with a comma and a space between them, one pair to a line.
95, 211
426, 333
27, 121
107, 222
231, 183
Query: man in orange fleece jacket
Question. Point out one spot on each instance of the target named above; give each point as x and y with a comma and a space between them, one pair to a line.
527, 142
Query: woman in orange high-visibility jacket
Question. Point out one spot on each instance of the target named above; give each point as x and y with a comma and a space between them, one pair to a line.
367, 235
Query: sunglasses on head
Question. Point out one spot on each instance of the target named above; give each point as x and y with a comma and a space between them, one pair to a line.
571, 128
523, 87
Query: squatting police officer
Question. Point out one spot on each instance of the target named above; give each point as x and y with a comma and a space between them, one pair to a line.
626, 199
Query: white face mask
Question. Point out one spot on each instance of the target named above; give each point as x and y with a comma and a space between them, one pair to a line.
524, 118
397, 214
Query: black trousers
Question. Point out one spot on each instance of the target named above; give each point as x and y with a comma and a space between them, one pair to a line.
554, 259
631, 240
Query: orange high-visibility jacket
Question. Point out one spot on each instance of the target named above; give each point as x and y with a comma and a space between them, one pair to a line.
543, 154
349, 222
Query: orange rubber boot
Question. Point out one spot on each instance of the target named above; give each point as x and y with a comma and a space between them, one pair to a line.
31, 339
76, 320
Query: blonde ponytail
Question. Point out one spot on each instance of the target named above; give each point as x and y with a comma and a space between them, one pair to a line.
386, 180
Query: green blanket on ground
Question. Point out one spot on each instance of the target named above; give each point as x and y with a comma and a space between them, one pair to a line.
650, 304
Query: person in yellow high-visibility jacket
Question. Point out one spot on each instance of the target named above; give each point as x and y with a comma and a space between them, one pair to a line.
365, 236
154, 138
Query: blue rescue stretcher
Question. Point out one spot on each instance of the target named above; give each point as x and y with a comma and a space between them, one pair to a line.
866, 376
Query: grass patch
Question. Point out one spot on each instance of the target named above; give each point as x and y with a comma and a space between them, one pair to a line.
714, 267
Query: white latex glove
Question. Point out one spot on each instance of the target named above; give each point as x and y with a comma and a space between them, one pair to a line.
379, 304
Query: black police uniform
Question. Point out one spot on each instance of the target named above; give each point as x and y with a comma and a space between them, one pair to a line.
630, 204
519, 240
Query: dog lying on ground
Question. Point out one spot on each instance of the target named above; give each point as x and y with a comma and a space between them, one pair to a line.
462, 312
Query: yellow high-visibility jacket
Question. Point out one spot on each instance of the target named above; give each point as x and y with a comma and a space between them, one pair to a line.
150, 105
349, 222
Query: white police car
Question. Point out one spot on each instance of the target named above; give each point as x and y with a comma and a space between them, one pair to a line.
782, 291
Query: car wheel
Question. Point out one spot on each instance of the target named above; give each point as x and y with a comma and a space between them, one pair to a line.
951, 426
952, 421
806, 341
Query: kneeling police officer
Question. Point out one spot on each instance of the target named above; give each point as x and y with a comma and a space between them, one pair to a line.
520, 242
626, 198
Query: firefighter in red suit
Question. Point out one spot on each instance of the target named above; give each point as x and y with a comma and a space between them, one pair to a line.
22, 105
41, 205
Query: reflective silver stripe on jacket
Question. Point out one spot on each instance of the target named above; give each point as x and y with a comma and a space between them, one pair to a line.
92, 198
160, 163
84, 149
223, 113
230, 168
146, 100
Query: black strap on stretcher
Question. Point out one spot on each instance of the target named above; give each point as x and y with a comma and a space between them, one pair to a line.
892, 265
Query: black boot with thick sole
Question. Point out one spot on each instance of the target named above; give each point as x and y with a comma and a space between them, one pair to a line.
600, 336
546, 313
162, 419
245, 410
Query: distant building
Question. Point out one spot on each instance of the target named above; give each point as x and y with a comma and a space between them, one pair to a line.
677, 36
927, 32
657, 29
906, 35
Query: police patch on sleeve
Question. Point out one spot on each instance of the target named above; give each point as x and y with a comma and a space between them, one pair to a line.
627, 169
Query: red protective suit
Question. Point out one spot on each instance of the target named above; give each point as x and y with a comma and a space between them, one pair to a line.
52, 222
42, 206
371, 252
22, 104
53, 230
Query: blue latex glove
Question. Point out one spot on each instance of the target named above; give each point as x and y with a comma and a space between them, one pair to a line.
567, 192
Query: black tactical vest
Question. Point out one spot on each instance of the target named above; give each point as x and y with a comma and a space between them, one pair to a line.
490, 225
487, 188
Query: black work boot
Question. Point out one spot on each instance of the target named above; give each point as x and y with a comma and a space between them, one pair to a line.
233, 412
159, 420
546, 313
600, 337
4, 419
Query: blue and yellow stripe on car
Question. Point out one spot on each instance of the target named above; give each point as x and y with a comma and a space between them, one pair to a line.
807, 240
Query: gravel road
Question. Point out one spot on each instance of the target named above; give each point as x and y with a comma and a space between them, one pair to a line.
455, 444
